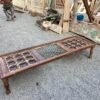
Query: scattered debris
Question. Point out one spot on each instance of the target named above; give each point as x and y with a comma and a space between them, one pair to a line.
56, 28
51, 21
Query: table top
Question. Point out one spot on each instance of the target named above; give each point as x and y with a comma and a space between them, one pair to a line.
13, 63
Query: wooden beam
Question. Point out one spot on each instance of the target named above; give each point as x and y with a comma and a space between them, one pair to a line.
66, 16
89, 13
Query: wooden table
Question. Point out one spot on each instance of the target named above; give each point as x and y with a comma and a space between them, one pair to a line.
22, 60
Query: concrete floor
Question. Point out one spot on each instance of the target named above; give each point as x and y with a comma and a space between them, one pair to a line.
73, 77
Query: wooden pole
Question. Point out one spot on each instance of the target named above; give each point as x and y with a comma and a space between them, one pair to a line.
89, 13
66, 16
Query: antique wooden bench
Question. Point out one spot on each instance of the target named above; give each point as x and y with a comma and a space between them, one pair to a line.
16, 62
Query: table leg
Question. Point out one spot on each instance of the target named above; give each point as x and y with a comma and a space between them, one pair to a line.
91, 52
6, 85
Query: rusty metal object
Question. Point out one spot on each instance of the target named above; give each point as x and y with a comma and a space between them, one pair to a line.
13, 63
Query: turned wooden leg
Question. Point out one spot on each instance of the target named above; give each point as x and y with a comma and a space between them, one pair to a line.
6, 85
91, 52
